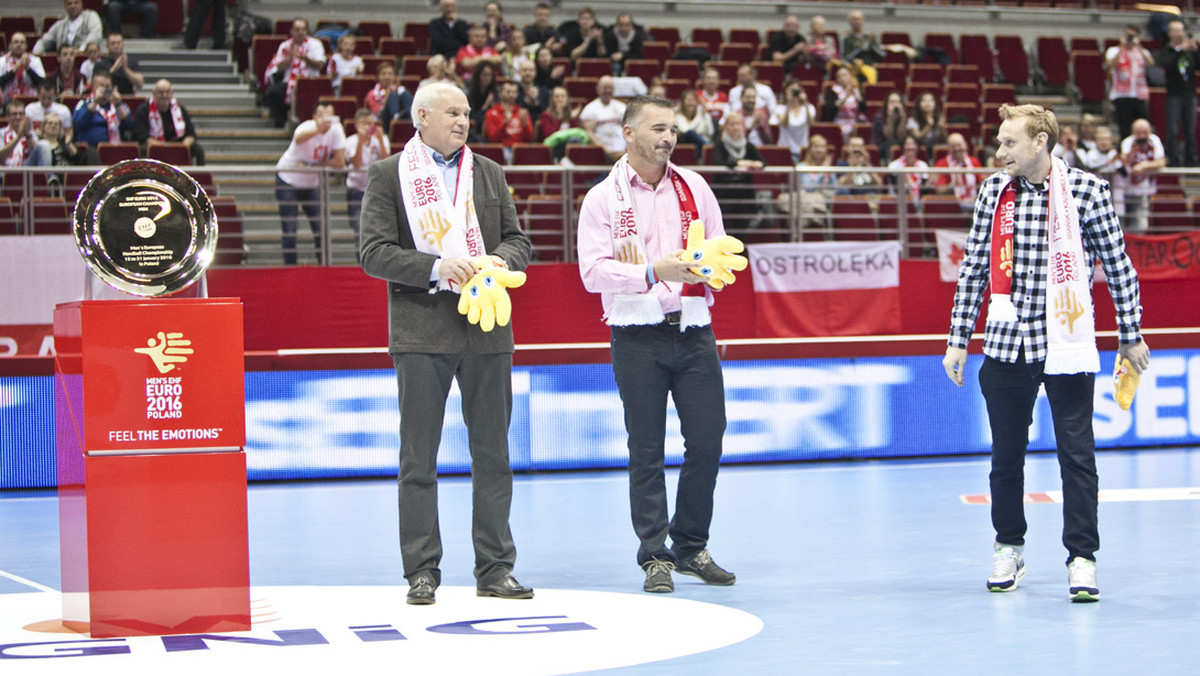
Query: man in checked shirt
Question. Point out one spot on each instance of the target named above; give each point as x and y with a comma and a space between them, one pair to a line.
1038, 228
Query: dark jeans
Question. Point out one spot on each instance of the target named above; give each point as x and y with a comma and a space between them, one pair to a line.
1181, 120
648, 362
148, 9
275, 99
291, 200
485, 381
1126, 110
200, 10
1010, 391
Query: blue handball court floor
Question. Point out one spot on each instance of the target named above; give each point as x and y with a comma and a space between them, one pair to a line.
866, 567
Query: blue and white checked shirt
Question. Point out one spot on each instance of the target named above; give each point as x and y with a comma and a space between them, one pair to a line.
1102, 239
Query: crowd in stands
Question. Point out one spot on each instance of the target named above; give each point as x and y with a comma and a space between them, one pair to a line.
562, 84
854, 98
64, 99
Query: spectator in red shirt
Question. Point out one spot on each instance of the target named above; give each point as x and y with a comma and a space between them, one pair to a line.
508, 123
476, 51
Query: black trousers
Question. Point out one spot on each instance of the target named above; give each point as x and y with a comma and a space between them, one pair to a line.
650, 362
200, 10
1010, 391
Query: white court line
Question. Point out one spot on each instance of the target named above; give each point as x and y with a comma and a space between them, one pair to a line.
29, 583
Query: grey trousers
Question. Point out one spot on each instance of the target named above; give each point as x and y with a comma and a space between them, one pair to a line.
485, 381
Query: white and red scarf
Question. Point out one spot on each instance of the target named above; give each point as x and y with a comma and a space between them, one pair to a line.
1070, 316
376, 99
111, 119
963, 182
440, 226
20, 84
296, 68
628, 247
17, 157
156, 121
1129, 75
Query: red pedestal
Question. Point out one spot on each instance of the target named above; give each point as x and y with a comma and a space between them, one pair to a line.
150, 408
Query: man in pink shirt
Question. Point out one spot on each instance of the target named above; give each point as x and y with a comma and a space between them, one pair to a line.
632, 228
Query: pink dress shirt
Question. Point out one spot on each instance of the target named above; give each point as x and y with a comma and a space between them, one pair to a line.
657, 213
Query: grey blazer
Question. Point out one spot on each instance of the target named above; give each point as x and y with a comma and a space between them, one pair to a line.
91, 29
418, 320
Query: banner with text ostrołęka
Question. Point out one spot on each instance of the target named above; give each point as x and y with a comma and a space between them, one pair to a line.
826, 288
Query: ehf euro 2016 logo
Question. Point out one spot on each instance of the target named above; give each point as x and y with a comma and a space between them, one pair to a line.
164, 395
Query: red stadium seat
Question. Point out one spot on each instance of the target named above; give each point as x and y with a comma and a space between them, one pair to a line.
172, 153
944, 42
419, 32
749, 36
740, 52
356, 87
492, 151
667, 34
397, 47
1089, 76
963, 74
414, 65
1012, 59
52, 216
645, 69
657, 51
711, 38
854, 218
343, 106
1053, 60
376, 30
681, 70
977, 52
308, 91
230, 242
111, 153
596, 68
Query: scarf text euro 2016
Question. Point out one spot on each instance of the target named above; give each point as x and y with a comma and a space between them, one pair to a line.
828, 263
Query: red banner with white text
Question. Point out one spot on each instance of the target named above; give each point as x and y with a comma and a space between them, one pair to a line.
826, 288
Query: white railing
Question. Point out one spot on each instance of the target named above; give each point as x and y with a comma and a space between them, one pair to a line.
759, 206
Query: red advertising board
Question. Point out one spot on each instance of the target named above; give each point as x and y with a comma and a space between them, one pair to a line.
158, 376
150, 411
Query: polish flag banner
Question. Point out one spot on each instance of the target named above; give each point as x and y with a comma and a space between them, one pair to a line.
826, 288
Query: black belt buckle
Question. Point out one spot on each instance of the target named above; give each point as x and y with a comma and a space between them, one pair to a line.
671, 319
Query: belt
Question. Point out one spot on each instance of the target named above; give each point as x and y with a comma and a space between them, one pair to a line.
671, 319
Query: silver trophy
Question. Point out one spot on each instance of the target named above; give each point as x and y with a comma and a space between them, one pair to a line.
145, 228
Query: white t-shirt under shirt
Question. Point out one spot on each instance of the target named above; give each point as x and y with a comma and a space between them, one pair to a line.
312, 152
357, 180
608, 123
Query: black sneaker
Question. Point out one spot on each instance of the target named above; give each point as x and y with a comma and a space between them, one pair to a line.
658, 577
702, 566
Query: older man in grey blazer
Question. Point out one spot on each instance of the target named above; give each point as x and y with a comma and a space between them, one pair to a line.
463, 214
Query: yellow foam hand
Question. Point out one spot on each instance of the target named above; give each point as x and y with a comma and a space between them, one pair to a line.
485, 299
716, 258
